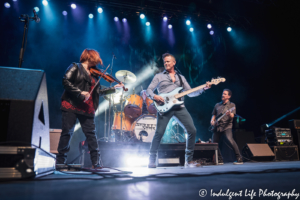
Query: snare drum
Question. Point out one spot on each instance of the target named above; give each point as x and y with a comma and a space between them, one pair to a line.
133, 106
150, 106
144, 128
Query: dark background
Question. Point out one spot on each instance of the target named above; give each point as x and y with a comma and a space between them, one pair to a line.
258, 59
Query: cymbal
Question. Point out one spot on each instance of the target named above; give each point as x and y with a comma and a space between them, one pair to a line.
125, 76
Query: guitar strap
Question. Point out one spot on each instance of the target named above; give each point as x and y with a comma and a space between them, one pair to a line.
181, 83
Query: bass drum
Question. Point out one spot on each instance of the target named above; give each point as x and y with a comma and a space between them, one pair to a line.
144, 128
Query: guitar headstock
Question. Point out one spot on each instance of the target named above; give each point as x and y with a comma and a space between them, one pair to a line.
218, 80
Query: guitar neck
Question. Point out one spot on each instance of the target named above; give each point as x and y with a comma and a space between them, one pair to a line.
179, 95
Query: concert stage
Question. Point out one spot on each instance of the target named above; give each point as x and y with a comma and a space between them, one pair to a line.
258, 179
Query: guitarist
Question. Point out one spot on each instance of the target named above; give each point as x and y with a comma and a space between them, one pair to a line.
224, 126
165, 82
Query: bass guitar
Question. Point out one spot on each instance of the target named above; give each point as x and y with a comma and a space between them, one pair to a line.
173, 98
212, 128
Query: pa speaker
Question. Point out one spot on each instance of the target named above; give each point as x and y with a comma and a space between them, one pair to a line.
24, 107
258, 152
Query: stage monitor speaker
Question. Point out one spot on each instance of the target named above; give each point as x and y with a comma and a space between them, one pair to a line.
259, 152
24, 107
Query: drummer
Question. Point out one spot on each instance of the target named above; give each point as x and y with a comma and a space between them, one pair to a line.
144, 96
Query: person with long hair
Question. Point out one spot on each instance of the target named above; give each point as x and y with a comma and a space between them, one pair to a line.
78, 103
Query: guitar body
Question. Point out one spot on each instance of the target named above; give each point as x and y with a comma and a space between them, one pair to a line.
170, 101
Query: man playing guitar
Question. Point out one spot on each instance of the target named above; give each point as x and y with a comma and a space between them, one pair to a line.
166, 82
224, 125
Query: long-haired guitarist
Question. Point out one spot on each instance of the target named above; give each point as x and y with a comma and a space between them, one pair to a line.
166, 82
224, 124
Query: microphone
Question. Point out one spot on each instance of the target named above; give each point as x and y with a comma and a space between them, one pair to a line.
36, 18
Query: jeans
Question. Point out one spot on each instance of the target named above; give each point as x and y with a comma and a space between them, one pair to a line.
228, 133
88, 128
162, 121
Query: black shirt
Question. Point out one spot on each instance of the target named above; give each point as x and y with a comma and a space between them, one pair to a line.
219, 110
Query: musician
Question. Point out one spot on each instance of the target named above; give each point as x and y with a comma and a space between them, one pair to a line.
165, 82
77, 103
224, 125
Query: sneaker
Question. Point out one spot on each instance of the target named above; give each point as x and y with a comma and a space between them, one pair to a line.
238, 162
152, 164
98, 166
192, 164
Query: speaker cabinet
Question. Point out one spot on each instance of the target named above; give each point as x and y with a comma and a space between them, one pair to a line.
24, 107
258, 152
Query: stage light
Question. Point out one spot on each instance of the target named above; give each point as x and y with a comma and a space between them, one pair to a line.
191, 29
170, 26
64, 13
137, 161
124, 20
211, 32
165, 19
188, 22
100, 10
36, 9
142, 16
209, 26
116, 19
229, 29
14, 0
147, 23
91, 16
45, 2
6, 5
73, 5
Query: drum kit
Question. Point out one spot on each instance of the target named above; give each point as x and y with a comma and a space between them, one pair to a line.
129, 125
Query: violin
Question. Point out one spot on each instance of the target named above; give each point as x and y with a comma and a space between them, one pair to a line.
106, 77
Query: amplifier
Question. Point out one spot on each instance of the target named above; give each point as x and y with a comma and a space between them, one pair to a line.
280, 142
286, 153
278, 133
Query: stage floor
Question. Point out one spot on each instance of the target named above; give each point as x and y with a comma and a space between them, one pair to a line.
259, 179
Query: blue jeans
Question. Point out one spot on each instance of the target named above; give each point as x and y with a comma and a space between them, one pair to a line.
186, 120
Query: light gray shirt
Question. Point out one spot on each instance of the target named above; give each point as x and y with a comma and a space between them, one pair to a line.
164, 84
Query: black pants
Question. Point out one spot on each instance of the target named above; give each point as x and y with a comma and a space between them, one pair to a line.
186, 120
228, 133
88, 128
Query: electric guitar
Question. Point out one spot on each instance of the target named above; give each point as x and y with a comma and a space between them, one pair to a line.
173, 98
212, 128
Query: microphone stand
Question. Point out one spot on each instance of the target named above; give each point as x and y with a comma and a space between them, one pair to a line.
25, 19
110, 99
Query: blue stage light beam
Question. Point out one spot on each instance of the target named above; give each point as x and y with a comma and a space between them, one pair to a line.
6, 5
229, 29
73, 5
188, 22
142, 16
45, 2
100, 10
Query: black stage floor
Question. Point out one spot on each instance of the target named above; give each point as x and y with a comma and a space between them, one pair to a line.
265, 180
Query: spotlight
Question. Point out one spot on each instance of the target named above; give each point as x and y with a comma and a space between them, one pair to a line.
100, 10
124, 20
211, 32
209, 26
116, 19
170, 26
6, 5
188, 22
229, 29
147, 23
36, 9
165, 19
142, 16
73, 5
91, 16
191, 29
45, 2
64, 13
14, 0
